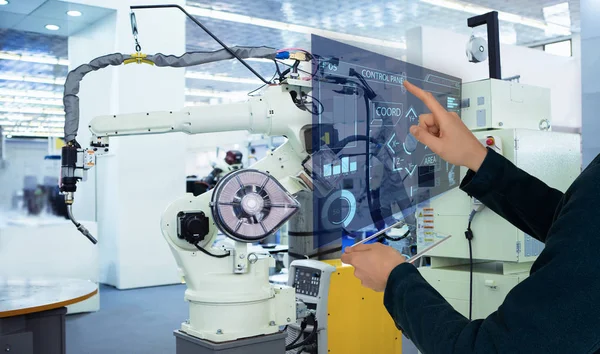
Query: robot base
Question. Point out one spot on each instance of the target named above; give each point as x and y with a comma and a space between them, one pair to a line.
267, 344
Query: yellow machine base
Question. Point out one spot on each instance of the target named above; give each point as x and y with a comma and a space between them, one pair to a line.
358, 323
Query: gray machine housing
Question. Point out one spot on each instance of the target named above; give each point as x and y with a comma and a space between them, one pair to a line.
550, 156
502, 253
316, 301
269, 344
499, 104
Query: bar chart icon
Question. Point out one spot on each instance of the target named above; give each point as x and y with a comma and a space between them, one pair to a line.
346, 165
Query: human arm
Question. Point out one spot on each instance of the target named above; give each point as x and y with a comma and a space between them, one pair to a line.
523, 200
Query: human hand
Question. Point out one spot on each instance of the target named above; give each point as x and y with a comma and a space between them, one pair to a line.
445, 134
373, 263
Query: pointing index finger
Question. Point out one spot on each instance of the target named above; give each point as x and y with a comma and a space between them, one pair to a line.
434, 106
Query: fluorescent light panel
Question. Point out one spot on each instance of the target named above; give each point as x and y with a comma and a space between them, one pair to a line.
34, 135
36, 110
40, 59
504, 16
36, 79
31, 101
31, 93
228, 16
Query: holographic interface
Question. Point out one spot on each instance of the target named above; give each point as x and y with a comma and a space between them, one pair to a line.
376, 170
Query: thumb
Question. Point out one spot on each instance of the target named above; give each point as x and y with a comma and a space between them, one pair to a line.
424, 137
361, 247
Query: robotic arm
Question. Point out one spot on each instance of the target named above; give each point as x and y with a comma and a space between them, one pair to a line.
231, 162
277, 111
228, 288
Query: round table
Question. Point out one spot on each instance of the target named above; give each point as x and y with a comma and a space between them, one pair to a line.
32, 312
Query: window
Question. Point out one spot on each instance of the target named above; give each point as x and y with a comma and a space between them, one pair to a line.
562, 48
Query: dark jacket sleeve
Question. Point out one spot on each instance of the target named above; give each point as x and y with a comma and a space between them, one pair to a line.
554, 310
521, 199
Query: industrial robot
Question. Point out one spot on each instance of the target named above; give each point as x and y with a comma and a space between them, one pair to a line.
231, 162
228, 288
231, 301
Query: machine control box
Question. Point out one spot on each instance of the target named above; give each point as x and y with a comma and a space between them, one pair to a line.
552, 157
344, 309
307, 281
498, 104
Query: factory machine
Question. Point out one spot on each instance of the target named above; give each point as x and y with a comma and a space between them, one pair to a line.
487, 257
341, 129
233, 308
513, 119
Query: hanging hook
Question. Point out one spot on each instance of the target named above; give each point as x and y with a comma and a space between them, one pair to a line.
134, 31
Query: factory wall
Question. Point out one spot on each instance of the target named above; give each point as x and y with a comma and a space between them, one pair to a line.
142, 174
444, 51
590, 85
24, 157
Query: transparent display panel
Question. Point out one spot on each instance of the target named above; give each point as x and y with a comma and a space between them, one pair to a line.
376, 170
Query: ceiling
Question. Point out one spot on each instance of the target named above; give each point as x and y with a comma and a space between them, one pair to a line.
31, 91
34, 15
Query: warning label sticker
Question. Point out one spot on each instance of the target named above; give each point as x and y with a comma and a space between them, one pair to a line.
426, 226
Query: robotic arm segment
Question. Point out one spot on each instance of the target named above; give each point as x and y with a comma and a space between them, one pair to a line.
255, 115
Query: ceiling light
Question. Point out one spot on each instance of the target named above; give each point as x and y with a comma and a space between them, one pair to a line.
34, 59
36, 79
19, 118
205, 76
33, 132
31, 101
74, 13
29, 117
55, 119
52, 27
504, 16
31, 93
36, 110
228, 16
557, 15
3, 2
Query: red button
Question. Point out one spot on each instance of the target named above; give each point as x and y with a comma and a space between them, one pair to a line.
490, 141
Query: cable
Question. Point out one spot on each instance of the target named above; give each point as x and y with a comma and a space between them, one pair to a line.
277, 69
469, 237
317, 111
470, 279
212, 254
263, 85
207, 31
303, 325
394, 239
288, 65
308, 340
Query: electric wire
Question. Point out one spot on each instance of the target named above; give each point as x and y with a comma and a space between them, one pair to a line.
289, 65
207, 32
212, 254
470, 280
469, 237
308, 340
303, 325
314, 111
261, 86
